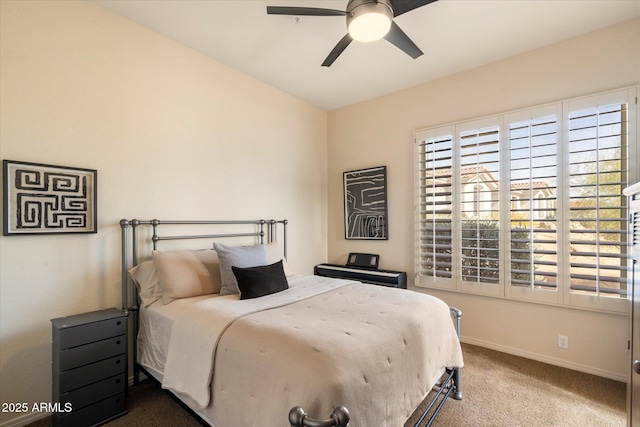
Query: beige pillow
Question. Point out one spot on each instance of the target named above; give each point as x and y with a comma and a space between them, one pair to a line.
184, 274
145, 277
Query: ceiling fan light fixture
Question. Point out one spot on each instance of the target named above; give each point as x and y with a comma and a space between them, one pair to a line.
369, 21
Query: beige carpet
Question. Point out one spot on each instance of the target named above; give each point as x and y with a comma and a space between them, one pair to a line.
504, 390
499, 390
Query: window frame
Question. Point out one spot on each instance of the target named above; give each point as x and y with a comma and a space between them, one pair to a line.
562, 294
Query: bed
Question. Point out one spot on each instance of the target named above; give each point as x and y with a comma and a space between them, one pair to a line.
286, 340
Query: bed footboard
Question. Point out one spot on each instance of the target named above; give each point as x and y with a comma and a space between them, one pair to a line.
299, 418
448, 386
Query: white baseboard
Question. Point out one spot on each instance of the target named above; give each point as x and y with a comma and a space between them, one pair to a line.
25, 419
545, 359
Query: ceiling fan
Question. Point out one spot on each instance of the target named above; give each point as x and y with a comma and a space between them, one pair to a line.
367, 20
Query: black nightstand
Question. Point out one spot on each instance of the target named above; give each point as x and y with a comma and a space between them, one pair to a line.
89, 367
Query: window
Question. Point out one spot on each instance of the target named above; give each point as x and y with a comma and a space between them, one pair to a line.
528, 205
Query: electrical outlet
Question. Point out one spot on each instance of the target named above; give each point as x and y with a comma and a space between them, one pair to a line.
563, 341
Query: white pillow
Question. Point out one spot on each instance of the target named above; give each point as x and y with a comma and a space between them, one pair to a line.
184, 273
275, 254
243, 257
146, 279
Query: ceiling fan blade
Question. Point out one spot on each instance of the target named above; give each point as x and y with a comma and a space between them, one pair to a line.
402, 41
337, 50
404, 6
299, 11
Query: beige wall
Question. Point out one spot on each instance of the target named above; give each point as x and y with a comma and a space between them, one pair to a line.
173, 135
176, 135
381, 131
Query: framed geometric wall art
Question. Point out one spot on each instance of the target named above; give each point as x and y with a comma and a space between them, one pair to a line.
48, 199
365, 204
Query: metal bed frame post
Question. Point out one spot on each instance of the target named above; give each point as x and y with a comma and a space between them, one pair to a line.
273, 232
124, 225
126, 308
135, 308
262, 222
154, 223
457, 315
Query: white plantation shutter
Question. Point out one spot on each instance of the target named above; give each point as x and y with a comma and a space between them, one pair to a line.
480, 204
533, 151
528, 205
598, 172
435, 206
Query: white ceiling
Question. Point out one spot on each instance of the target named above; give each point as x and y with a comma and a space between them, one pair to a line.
455, 35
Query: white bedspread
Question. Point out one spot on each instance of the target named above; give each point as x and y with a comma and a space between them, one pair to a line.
195, 336
322, 343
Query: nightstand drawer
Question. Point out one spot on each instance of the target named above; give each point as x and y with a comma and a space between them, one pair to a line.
86, 328
88, 374
85, 396
98, 413
74, 357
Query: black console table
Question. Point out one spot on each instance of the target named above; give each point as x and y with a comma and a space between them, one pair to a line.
393, 279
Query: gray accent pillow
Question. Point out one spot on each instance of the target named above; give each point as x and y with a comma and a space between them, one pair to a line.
243, 257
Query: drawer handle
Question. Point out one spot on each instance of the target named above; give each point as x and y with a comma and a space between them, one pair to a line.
119, 322
118, 381
118, 362
118, 342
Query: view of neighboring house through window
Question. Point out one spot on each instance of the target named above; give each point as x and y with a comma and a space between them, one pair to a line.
479, 193
528, 205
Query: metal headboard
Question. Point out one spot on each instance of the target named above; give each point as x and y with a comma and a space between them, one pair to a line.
258, 228
258, 225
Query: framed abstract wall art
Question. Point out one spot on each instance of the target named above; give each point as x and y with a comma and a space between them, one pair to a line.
365, 204
48, 199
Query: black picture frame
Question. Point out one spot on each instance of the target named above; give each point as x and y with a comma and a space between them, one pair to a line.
48, 199
365, 204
